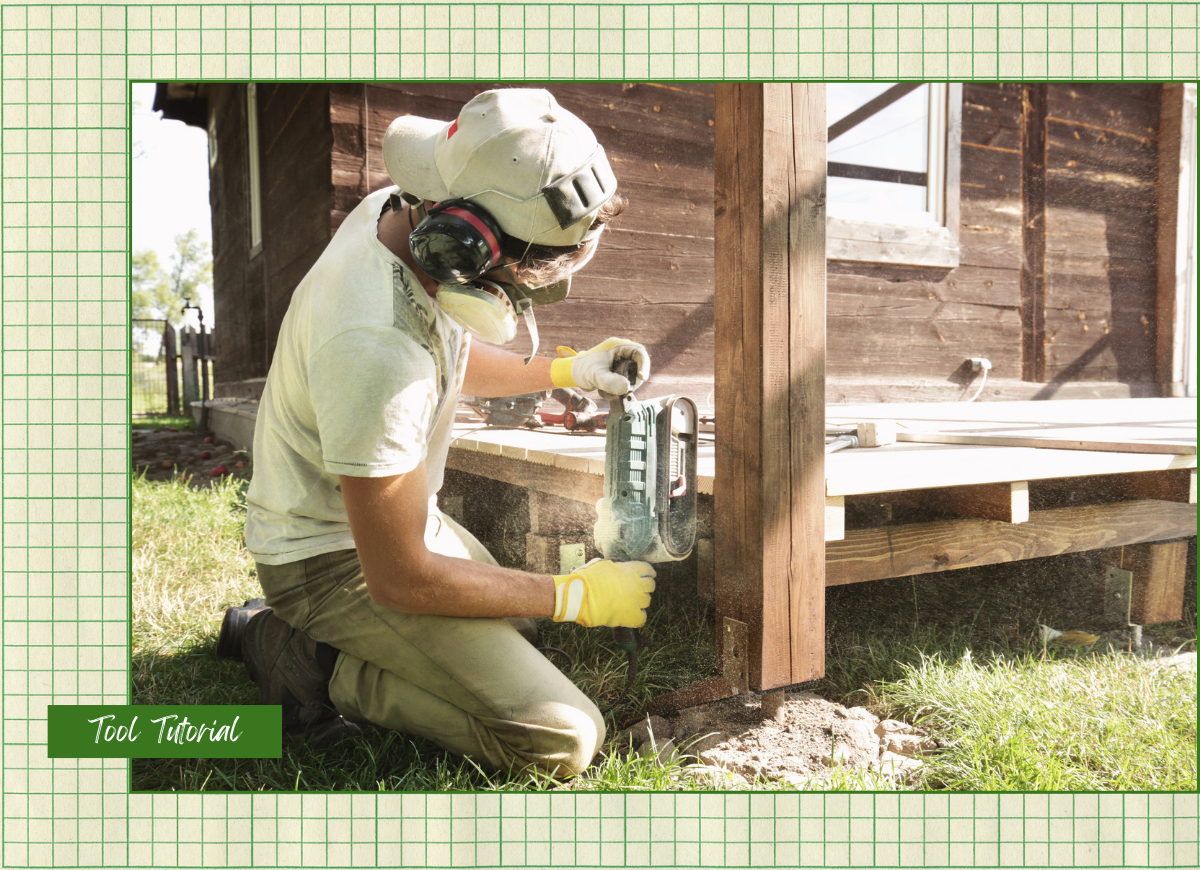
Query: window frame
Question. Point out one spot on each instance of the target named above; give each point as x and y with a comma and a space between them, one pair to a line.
863, 241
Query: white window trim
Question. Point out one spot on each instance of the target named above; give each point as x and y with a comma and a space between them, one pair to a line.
911, 245
254, 180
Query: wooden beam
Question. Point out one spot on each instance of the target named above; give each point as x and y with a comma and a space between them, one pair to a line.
1004, 502
1176, 189
1033, 233
1159, 572
921, 548
1029, 439
770, 358
1173, 484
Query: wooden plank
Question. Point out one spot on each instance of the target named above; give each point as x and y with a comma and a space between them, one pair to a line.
773, 658
900, 551
1003, 502
737, 189
1033, 232
1050, 441
922, 466
1159, 574
835, 517
1176, 484
806, 383
1177, 146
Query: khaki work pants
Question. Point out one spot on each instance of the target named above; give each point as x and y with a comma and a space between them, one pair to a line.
473, 686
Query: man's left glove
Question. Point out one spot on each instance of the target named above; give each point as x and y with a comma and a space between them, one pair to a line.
592, 369
603, 592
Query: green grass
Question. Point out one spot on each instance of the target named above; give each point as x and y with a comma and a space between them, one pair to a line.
158, 421
958, 653
189, 565
1053, 722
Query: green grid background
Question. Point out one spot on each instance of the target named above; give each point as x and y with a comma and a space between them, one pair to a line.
65, 461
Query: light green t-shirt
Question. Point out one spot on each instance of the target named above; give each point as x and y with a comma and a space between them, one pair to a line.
364, 382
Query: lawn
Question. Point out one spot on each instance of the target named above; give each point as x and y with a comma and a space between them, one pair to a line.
959, 653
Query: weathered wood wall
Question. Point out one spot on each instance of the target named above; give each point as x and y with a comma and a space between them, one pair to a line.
912, 329
253, 290
652, 279
894, 333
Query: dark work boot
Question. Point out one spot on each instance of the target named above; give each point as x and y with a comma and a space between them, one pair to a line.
233, 627
292, 670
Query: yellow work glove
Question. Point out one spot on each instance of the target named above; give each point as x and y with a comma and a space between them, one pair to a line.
604, 593
592, 369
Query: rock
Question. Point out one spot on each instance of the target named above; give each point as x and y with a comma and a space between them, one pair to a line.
888, 727
908, 744
862, 713
704, 743
899, 767
640, 732
860, 736
665, 749
842, 754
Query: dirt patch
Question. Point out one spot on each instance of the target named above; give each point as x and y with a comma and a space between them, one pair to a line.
801, 743
199, 458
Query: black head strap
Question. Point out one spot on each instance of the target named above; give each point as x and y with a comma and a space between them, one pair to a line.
573, 197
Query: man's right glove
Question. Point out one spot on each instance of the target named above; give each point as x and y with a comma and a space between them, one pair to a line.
592, 369
604, 593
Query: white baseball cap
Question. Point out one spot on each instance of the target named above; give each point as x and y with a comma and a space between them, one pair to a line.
515, 151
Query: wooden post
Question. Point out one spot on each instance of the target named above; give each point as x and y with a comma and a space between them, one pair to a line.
1176, 235
770, 378
170, 353
1033, 233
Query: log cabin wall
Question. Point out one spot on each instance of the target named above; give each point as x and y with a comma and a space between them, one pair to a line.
894, 333
898, 333
252, 288
652, 278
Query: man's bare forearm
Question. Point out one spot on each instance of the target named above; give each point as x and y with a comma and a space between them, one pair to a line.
495, 372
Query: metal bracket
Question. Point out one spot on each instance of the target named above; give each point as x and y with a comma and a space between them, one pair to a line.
570, 557
736, 654
1118, 594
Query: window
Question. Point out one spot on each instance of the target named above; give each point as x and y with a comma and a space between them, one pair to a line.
252, 162
893, 166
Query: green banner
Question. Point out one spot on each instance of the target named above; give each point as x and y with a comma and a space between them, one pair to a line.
164, 731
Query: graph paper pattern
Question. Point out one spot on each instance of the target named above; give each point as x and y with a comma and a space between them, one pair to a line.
64, 112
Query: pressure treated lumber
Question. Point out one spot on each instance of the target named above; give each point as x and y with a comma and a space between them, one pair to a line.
770, 374
921, 548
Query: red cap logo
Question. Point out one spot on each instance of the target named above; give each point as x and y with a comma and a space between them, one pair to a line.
453, 129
